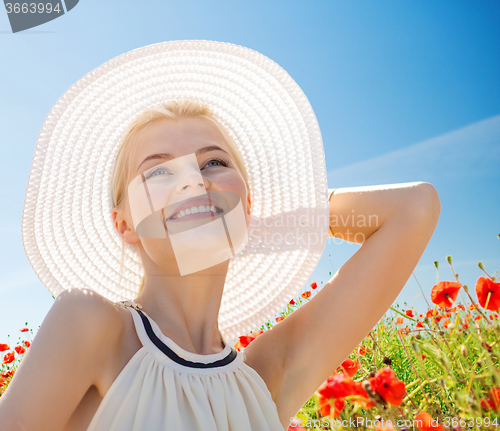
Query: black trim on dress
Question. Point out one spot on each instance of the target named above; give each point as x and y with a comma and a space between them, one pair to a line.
175, 357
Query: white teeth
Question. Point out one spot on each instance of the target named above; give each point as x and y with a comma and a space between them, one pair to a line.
196, 210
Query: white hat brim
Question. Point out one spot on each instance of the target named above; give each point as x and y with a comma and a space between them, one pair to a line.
67, 229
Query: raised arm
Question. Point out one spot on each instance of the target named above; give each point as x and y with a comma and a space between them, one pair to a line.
64, 361
357, 212
313, 341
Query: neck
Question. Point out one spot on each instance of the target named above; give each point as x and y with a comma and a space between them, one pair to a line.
186, 308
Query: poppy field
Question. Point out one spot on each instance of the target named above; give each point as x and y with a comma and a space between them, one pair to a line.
418, 370
432, 370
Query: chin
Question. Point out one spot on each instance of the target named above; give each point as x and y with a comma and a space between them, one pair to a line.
202, 245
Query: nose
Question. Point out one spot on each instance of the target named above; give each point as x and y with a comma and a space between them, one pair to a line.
192, 182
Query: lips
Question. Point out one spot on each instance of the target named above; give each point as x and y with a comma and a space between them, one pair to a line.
191, 206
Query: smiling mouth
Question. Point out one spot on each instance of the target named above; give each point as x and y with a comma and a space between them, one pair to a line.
195, 212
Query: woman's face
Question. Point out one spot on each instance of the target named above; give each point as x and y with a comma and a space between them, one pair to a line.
159, 153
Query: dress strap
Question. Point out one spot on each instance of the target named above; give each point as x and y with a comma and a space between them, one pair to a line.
128, 304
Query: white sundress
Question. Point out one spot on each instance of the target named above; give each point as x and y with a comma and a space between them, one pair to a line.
164, 387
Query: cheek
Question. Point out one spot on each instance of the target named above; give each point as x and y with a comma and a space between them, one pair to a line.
235, 183
229, 180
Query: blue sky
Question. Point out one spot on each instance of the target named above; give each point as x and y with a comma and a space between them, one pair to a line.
403, 91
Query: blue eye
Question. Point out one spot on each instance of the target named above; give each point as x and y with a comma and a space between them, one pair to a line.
218, 161
156, 172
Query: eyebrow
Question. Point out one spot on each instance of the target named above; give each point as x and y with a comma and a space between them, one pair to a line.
168, 156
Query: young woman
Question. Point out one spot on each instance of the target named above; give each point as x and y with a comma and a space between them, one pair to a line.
160, 361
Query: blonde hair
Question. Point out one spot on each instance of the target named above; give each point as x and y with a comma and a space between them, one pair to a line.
170, 110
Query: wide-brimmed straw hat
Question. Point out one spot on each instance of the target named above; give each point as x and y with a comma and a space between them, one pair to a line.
67, 228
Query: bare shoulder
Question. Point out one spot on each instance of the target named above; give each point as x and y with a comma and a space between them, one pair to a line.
72, 343
87, 300
92, 313
105, 322
92, 304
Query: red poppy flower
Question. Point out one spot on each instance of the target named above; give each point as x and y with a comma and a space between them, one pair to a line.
245, 340
20, 350
326, 408
7, 373
431, 313
494, 399
484, 404
446, 323
4, 347
292, 302
478, 317
409, 313
485, 286
338, 385
491, 403
26, 343
419, 325
314, 285
24, 330
306, 294
8, 358
279, 318
350, 366
444, 293
386, 384
362, 350
399, 320
363, 399
424, 422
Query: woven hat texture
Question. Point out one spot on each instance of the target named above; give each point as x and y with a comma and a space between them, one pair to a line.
67, 228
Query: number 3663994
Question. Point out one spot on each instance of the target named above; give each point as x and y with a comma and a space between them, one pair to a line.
33, 8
